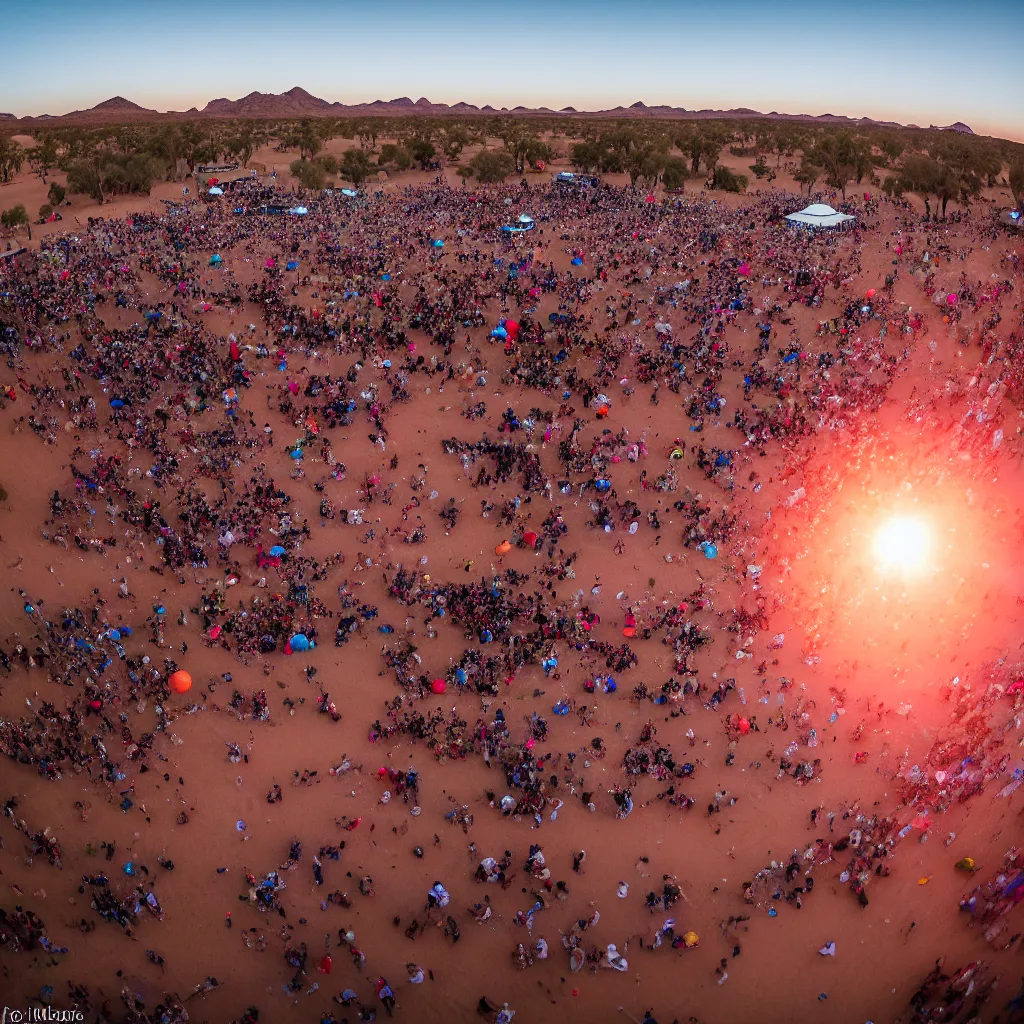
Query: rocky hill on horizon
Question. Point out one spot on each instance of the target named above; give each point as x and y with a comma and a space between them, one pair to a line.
297, 102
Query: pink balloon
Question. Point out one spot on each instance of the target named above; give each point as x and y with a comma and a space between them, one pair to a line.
951, 299
439, 686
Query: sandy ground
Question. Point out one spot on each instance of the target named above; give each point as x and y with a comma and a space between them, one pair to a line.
888, 646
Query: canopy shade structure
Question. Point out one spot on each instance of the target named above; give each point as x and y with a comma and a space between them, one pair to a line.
524, 223
819, 215
215, 191
350, 192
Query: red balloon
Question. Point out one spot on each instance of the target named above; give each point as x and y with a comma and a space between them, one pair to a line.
530, 538
180, 681
439, 686
871, 293
744, 726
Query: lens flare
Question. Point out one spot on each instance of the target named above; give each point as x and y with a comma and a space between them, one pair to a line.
903, 544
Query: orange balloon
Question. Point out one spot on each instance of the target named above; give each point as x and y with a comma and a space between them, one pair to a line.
629, 631
503, 548
180, 681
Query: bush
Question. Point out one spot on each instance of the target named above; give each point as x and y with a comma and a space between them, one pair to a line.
490, 166
56, 194
328, 162
394, 154
760, 169
729, 182
45, 210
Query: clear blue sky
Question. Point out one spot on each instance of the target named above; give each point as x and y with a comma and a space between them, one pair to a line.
920, 61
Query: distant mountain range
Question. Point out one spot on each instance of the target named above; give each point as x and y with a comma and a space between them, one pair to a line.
299, 103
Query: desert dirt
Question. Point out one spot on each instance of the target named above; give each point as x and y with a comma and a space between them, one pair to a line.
898, 413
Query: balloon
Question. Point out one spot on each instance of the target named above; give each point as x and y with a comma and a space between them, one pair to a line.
710, 551
116, 403
277, 551
438, 686
744, 726
299, 642
870, 293
512, 327
629, 631
296, 453
690, 940
180, 681
503, 548
530, 538
951, 299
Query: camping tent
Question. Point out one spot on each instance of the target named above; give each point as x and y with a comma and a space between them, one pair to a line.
818, 215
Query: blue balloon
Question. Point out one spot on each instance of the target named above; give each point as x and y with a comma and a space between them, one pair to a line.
499, 332
296, 453
300, 642
277, 551
385, 277
116, 403
115, 635
577, 262
710, 551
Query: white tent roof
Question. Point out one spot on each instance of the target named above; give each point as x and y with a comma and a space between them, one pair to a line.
819, 215
525, 218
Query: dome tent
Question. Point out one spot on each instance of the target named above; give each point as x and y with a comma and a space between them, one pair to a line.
819, 215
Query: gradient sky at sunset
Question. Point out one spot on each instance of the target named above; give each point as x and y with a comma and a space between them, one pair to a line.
920, 61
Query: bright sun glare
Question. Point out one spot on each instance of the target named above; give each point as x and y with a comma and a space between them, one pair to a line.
902, 543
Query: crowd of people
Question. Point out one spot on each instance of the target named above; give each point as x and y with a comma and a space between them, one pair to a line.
171, 381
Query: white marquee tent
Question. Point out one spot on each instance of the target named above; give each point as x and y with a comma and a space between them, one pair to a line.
818, 215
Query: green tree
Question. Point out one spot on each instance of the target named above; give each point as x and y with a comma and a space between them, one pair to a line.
43, 158
45, 211
918, 174
725, 180
644, 164
16, 217
809, 172
490, 166
328, 162
391, 154
675, 173
12, 156
56, 194
453, 140
836, 153
311, 173
587, 156
84, 177
355, 166
1017, 182
422, 150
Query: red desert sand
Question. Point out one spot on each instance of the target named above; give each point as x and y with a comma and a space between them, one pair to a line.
618, 618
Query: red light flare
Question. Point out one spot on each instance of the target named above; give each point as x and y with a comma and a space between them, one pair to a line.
903, 557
